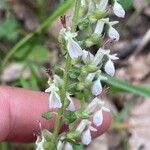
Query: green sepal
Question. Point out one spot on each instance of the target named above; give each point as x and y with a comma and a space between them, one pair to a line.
47, 115
84, 24
69, 117
82, 114
73, 135
94, 39
97, 15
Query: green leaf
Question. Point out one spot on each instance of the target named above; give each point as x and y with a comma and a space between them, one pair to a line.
78, 147
8, 29
127, 4
126, 86
47, 115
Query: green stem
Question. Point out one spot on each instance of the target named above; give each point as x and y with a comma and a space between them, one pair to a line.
66, 78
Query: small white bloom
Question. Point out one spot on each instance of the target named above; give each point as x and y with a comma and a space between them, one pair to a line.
118, 10
103, 5
54, 100
86, 135
99, 27
74, 49
109, 68
71, 106
98, 118
87, 57
68, 146
93, 105
113, 33
97, 87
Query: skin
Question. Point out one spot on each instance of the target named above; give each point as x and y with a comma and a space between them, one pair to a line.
20, 110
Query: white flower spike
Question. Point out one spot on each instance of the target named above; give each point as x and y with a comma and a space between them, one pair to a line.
109, 68
118, 10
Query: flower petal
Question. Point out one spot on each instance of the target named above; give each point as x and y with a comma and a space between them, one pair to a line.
109, 68
99, 27
68, 146
54, 100
113, 33
103, 5
97, 87
71, 106
86, 137
98, 118
118, 10
87, 57
74, 49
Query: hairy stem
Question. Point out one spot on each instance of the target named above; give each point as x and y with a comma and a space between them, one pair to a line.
65, 78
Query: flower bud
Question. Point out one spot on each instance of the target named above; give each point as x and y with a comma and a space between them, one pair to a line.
113, 33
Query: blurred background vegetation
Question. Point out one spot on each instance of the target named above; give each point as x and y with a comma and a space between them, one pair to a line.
28, 45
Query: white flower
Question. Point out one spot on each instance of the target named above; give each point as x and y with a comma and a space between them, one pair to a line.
86, 135
54, 98
109, 68
73, 47
99, 27
68, 146
98, 115
87, 57
96, 87
118, 10
71, 106
113, 33
103, 5
93, 105
98, 118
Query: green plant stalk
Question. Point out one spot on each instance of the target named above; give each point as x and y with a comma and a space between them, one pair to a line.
65, 86
61, 10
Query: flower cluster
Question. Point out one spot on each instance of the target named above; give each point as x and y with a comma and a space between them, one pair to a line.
83, 75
